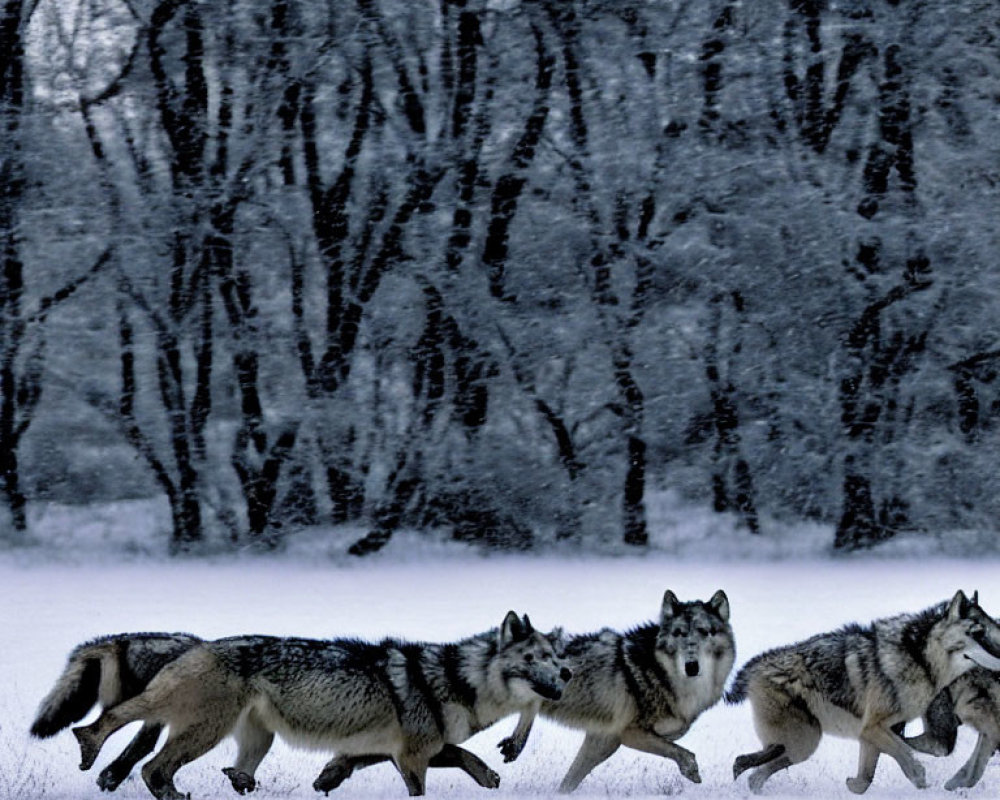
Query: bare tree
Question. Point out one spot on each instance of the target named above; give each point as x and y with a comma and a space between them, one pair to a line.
18, 391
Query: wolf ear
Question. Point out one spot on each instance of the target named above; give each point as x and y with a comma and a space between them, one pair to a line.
975, 598
512, 629
558, 640
671, 606
528, 627
720, 605
958, 608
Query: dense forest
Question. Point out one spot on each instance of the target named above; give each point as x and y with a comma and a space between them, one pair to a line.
501, 267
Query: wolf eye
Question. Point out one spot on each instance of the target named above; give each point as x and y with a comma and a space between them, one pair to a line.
528, 658
703, 631
677, 634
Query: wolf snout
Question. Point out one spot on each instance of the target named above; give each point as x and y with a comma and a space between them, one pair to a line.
566, 673
549, 691
691, 668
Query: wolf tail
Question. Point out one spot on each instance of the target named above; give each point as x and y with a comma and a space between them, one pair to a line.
76, 690
738, 689
737, 693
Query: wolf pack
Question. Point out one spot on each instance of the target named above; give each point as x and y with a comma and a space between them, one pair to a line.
415, 703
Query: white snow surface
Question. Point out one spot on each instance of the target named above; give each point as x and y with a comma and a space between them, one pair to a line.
47, 608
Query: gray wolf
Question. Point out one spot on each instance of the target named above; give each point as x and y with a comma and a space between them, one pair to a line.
411, 702
859, 682
109, 670
974, 700
117, 667
643, 688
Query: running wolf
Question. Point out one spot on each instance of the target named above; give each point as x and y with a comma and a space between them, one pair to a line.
117, 667
412, 702
860, 682
643, 688
974, 699
110, 670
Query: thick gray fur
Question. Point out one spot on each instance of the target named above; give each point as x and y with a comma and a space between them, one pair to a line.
411, 702
860, 682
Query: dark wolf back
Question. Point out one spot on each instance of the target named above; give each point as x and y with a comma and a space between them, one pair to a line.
280, 658
337, 687
822, 656
132, 659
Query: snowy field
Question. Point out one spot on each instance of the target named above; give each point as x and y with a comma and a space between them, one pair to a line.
48, 608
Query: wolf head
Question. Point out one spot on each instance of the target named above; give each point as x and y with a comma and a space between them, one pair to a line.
693, 635
532, 666
968, 636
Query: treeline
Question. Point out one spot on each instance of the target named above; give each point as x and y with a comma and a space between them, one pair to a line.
501, 267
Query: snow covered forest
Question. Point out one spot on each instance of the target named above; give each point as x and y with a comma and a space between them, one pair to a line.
506, 269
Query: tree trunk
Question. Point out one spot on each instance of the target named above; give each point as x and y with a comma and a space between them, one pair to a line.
867, 397
12, 324
13, 497
732, 481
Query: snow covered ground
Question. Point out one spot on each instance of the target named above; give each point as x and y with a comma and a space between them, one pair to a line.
47, 608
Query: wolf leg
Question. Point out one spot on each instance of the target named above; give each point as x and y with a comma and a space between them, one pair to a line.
92, 737
191, 686
339, 769
761, 757
760, 775
976, 705
253, 741
781, 720
881, 738
512, 746
452, 755
867, 761
413, 770
183, 747
973, 769
649, 742
140, 747
593, 751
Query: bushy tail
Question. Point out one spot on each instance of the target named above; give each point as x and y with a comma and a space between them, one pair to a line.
738, 690
74, 694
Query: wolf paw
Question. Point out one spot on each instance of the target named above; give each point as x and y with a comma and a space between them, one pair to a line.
956, 782
511, 748
960, 780
242, 782
162, 787
491, 780
919, 777
108, 780
858, 785
689, 769
757, 780
741, 765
